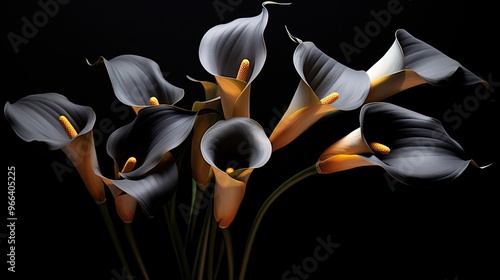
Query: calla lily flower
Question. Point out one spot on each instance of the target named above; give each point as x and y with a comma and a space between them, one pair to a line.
327, 85
201, 170
235, 53
138, 82
138, 149
155, 131
150, 190
53, 119
413, 148
410, 62
234, 148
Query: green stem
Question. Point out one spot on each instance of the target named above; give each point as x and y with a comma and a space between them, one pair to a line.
176, 250
197, 198
258, 219
201, 252
176, 238
222, 249
129, 231
228, 241
211, 249
103, 208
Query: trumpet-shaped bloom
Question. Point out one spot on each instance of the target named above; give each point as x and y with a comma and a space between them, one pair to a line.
234, 148
327, 85
37, 118
148, 140
151, 190
413, 148
235, 53
155, 131
410, 62
138, 82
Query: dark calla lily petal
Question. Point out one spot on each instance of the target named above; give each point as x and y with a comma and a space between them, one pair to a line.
151, 190
413, 148
135, 79
224, 46
36, 118
324, 75
222, 50
239, 142
422, 152
431, 64
234, 148
410, 62
155, 131
321, 78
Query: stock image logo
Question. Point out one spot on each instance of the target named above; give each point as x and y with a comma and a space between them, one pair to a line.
362, 37
32, 25
121, 275
470, 104
223, 6
310, 264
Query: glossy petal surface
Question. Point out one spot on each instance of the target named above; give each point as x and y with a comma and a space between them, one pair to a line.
422, 152
410, 62
238, 143
155, 131
135, 79
152, 190
36, 118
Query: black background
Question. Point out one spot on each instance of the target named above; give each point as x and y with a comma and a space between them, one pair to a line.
385, 230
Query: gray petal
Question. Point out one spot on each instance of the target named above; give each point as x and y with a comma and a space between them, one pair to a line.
422, 152
325, 75
238, 142
135, 79
224, 46
431, 64
36, 118
155, 131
